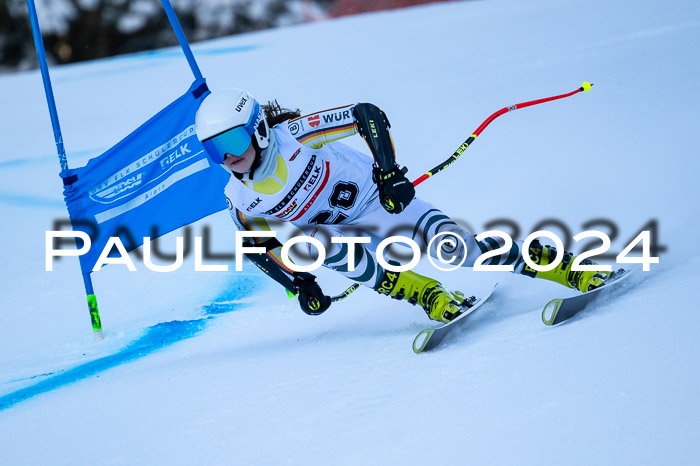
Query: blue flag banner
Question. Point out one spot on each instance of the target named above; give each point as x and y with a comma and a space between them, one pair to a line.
154, 181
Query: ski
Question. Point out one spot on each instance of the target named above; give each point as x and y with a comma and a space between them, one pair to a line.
559, 310
431, 337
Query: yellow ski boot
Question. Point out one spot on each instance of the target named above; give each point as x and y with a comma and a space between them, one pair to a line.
440, 304
562, 274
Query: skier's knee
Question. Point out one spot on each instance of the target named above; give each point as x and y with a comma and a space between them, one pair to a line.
451, 248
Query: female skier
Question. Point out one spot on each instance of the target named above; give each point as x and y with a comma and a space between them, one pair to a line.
290, 168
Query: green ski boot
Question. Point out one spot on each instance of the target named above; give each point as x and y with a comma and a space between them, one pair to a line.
580, 280
440, 304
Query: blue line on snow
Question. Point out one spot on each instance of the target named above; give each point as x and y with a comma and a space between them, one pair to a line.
13, 163
227, 50
176, 52
148, 57
30, 378
22, 162
23, 200
156, 337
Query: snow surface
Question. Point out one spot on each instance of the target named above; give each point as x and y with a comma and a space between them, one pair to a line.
250, 379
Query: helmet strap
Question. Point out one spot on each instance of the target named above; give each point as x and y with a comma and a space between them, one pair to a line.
265, 160
258, 157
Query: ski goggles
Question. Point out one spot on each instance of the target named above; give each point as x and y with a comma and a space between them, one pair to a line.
234, 141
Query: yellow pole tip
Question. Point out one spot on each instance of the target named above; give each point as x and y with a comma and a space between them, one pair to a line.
586, 86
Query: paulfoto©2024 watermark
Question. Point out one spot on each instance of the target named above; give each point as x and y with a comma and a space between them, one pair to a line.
440, 242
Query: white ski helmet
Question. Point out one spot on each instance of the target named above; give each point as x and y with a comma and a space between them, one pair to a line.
227, 121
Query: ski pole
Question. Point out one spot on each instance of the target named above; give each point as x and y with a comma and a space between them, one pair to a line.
584, 87
345, 293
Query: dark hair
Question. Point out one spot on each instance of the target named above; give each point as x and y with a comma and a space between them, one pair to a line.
276, 114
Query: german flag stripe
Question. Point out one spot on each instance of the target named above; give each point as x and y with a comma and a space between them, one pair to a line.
244, 221
278, 260
262, 225
329, 134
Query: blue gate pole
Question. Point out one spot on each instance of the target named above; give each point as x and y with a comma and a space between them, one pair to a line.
58, 137
175, 23
41, 55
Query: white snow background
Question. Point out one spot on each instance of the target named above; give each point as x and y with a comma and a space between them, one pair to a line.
177, 382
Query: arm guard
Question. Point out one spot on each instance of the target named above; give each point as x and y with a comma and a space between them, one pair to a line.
270, 267
373, 126
302, 284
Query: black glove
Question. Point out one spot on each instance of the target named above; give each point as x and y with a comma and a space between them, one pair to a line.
395, 190
311, 297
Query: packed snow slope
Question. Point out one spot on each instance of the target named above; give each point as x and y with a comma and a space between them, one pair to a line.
222, 368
